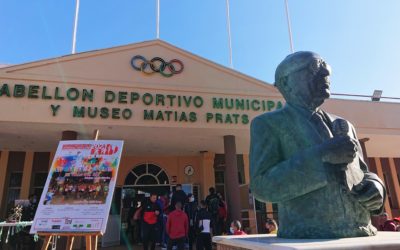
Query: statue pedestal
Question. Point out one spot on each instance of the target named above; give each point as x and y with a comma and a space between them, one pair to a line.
383, 241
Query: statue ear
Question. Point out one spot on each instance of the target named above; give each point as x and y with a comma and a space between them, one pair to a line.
285, 85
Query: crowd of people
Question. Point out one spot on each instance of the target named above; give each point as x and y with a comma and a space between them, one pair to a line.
179, 220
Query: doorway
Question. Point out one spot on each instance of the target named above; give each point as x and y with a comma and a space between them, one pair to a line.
140, 182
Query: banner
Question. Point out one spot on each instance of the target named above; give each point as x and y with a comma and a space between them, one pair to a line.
78, 192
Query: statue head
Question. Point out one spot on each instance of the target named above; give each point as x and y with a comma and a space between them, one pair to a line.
303, 79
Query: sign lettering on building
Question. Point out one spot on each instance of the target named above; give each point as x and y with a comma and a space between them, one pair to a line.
120, 104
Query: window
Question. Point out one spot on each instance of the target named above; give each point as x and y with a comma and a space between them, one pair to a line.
147, 174
389, 183
146, 180
219, 165
40, 168
388, 193
275, 211
220, 182
260, 206
196, 192
397, 165
15, 167
219, 177
14, 189
240, 166
398, 176
38, 183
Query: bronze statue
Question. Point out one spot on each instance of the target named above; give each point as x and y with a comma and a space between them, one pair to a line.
310, 162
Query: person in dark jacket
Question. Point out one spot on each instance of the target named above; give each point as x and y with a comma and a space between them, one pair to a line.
137, 222
131, 224
178, 195
190, 210
165, 211
150, 216
213, 203
177, 227
204, 227
222, 215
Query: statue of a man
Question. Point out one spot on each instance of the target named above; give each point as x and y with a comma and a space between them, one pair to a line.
310, 162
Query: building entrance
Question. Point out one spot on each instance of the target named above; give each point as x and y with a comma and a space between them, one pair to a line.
140, 182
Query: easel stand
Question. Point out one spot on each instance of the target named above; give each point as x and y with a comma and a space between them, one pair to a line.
91, 239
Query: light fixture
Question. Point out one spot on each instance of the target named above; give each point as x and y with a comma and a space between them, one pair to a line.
376, 96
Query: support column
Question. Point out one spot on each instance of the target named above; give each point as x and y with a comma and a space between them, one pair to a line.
207, 172
364, 149
3, 175
393, 173
252, 212
231, 178
246, 163
379, 172
27, 175
269, 208
51, 158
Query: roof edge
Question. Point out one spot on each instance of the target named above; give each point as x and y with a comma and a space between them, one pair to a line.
91, 53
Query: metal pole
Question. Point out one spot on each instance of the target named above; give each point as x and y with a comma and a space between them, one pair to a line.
158, 19
75, 26
96, 133
289, 26
228, 26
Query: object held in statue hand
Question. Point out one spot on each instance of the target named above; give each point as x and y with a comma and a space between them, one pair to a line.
353, 174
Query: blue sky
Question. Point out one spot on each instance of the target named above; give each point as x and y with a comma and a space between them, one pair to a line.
359, 38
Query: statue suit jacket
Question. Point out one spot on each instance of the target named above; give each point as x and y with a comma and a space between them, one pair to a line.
313, 201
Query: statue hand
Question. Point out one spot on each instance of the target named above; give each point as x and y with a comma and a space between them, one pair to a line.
339, 150
370, 194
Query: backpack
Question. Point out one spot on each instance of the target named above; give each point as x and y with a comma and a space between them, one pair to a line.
222, 213
213, 205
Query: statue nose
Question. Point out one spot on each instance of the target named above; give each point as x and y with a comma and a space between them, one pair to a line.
324, 71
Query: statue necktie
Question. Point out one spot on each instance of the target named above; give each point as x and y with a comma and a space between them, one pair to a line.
323, 129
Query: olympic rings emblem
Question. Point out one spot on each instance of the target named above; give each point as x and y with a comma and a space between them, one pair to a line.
157, 65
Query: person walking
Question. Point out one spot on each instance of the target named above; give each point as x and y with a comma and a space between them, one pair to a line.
178, 195
204, 227
150, 211
177, 227
213, 202
130, 229
137, 238
222, 214
165, 211
190, 210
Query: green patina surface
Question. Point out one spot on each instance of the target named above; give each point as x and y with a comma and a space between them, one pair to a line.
300, 161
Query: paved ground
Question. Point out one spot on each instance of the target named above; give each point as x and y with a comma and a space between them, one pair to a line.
134, 247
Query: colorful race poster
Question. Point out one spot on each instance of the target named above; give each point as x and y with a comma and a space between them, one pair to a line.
79, 188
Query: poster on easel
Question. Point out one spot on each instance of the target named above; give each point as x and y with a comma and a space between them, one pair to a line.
79, 188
